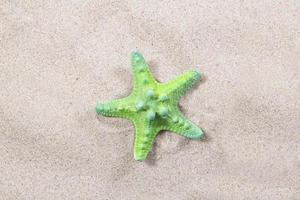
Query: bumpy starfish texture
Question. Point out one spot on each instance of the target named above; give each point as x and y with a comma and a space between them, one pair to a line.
152, 106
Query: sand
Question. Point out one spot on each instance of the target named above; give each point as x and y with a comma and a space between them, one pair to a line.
58, 58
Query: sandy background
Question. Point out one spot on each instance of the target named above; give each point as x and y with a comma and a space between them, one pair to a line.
58, 58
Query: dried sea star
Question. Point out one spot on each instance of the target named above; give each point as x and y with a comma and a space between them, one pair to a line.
152, 106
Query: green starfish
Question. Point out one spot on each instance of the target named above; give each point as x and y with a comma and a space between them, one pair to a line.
152, 106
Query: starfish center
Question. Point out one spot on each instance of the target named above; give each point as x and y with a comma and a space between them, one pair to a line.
152, 104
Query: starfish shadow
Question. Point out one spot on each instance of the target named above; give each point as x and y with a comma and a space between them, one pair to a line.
113, 125
153, 66
205, 138
151, 158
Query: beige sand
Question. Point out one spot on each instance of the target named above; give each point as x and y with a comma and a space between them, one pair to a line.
58, 58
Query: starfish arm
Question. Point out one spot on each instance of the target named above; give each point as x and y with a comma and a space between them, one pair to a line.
117, 108
179, 85
140, 72
145, 134
182, 126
